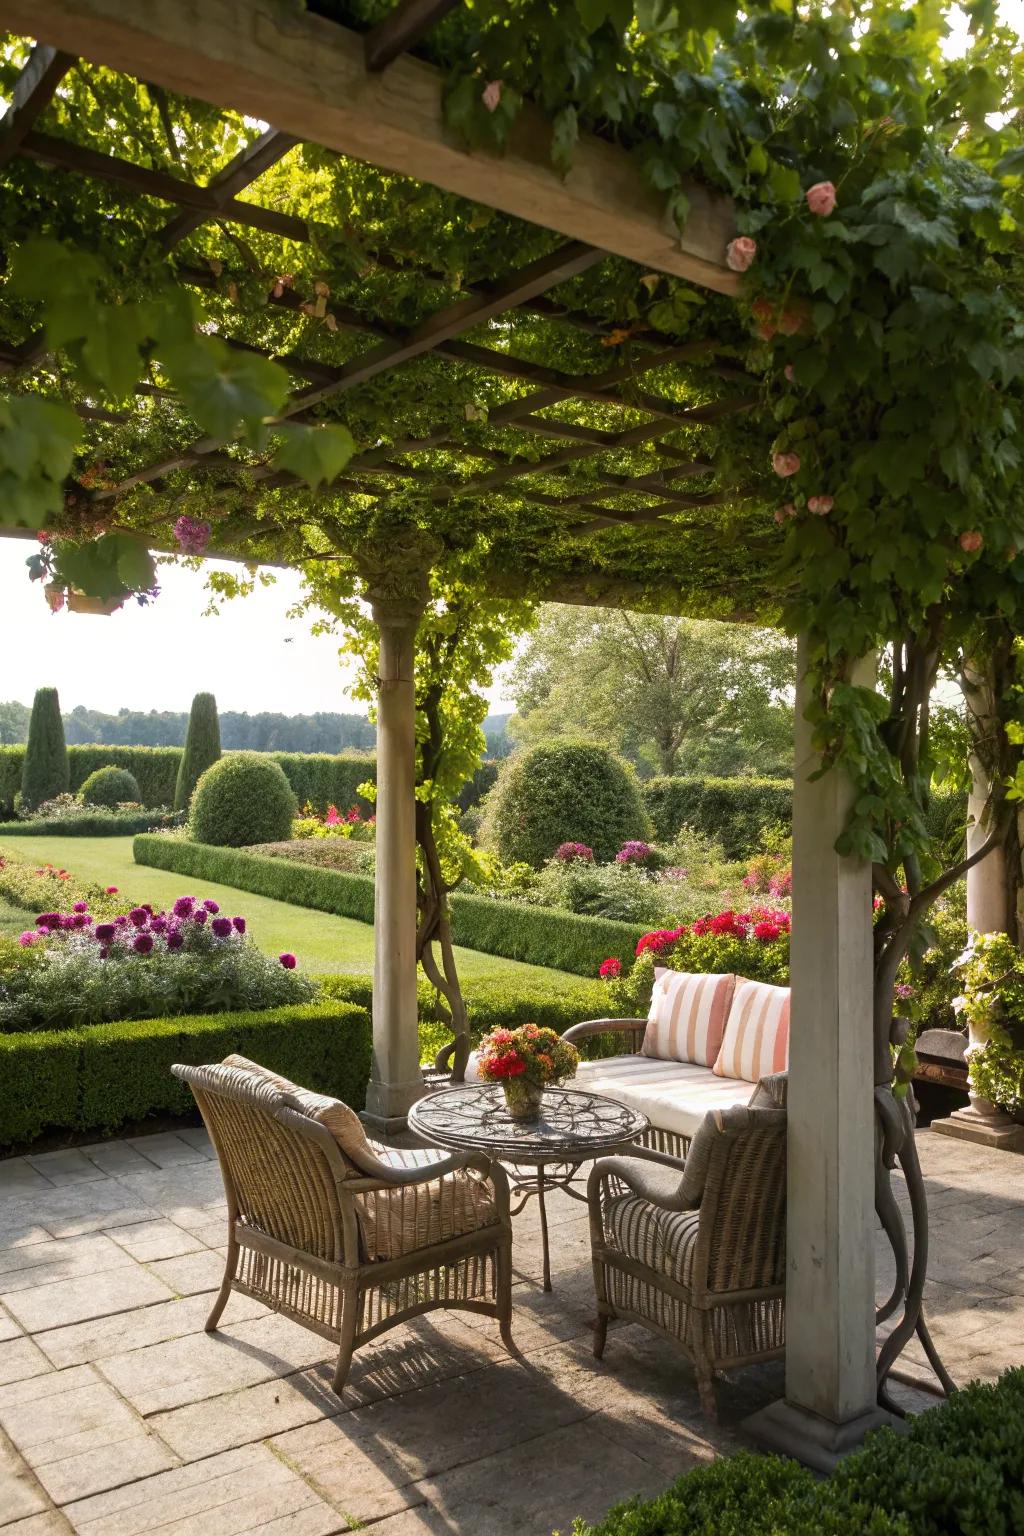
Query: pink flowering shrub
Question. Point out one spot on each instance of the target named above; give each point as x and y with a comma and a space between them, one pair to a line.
571, 853
639, 854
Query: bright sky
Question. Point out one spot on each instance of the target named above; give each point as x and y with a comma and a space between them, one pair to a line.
250, 655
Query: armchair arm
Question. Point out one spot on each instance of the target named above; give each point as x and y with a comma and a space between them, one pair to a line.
604, 1027
383, 1174
663, 1191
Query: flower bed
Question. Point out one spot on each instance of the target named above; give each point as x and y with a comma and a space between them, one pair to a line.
74, 968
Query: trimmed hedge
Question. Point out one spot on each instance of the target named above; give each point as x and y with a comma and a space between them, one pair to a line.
323, 780
201, 749
44, 773
106, 1075
493, 1002
958, 1468
731, 810
538, 935
86, 825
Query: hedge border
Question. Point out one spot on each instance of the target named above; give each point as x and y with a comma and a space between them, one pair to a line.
102, 1076
563, 941
85, 825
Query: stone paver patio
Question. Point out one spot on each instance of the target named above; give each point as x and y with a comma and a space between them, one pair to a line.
118, 1415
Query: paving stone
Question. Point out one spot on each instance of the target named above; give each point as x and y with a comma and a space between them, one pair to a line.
78, 1209
20, 1494
19, 1177
248, 1491
74, 1301
79, 1437
20, 1358
199, 1137
116, 1157
186, 1370
188, 1190
167, 1150
52, 1523
58, 1259
152, 1240
8, 1327
240, 1418
192, 1273
103, 1336
66, 1167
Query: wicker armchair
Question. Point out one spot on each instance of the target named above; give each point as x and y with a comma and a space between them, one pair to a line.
696, 1250
344, 1235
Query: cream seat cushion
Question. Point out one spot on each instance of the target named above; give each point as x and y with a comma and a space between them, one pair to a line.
674, 1095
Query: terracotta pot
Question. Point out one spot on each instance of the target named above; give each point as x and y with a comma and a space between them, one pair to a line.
523, 1100
81, 602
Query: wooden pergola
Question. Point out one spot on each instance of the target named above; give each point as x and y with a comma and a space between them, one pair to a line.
367, 99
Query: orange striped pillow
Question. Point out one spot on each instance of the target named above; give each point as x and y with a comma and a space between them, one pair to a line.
756, 1038
687, 1017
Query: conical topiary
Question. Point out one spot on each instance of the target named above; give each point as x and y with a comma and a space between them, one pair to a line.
202, 748
45, 772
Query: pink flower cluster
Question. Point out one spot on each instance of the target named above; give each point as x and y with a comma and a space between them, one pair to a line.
352, 816
140, 931
574, 853
634, 852
763, 924
192, 536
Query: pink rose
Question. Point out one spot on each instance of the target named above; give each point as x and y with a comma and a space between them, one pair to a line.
786, 510
821, 506
971, 542
821, 198
785, 464
740, 253
491, 96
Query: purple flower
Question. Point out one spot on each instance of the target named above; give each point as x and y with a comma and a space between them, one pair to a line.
81, 920
222, 927
200, 915
142, 943
238, 924
288, 961
192, 535
159, 924
104, 952
633, 852
80, 906
183, 906
211, 906
121, 920
139, 916
904, 990
48, 920
175, 940
28, 937
105, 932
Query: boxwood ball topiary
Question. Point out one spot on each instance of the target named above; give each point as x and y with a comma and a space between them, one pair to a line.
110, 786
569, 792
244, 798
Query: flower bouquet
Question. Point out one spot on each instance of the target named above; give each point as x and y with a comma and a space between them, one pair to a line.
524, 1061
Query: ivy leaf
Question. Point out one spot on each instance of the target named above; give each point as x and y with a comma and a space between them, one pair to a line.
226, 392
316, 454
38, 438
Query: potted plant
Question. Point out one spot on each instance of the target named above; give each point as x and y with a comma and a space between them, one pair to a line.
525, 1061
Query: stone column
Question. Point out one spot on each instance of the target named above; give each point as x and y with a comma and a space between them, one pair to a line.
396, 573
988, 911
830, 1297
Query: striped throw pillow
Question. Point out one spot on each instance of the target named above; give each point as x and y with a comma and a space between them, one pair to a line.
757, 1032
687, 1017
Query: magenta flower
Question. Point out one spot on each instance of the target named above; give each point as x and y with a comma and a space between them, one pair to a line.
139, 916
111, 890
200, 915
183, 906
28, 937
48, 920
105, 932
192, 535
121, 920
80, 906
142, 943
81, 920
288, 961
571, 853
159, 924
211, 906
221, 926
238, 924
633, 852
175, 940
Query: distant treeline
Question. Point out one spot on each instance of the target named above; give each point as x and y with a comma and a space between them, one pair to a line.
266, 732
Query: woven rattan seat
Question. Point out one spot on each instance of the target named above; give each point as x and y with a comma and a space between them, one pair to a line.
339, 1233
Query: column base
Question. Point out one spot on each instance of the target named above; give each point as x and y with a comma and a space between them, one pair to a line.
789, 1430
987, 1130
388, 1104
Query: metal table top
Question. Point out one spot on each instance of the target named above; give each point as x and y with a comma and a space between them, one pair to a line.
573, 1125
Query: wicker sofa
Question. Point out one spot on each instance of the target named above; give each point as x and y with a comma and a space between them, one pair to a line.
706, 1043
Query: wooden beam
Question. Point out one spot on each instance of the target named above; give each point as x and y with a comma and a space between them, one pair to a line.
403, 28
240, 172
308, 76
32, 94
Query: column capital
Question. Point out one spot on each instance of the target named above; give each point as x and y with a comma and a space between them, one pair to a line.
395, 570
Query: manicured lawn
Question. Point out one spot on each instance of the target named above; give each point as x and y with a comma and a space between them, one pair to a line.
321, 942
12, 919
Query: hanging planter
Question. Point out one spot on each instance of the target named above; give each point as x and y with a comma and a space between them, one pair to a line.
81, 602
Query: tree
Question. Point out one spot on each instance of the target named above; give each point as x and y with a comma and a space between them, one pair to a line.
674, 694
13, 723
202, 748
45, 772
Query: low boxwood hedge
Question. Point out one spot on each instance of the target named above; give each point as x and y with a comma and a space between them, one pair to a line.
107, 1075
563, 941
958, 1469
86, 825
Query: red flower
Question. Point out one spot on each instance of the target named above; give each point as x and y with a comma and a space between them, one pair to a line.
610, 967
766, 932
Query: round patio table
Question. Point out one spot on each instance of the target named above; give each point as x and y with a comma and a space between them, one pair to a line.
574, 1127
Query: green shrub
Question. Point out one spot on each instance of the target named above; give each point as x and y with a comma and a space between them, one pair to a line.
564, 793
733, 811
106, 1075
12, 761
94, 823
243, 798
538, 935
959, 1468
154, 769
202, 748
993, 987
45, 772
110, 786
320, 779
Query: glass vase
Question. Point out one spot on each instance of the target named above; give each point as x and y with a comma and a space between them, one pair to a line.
523, 1100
